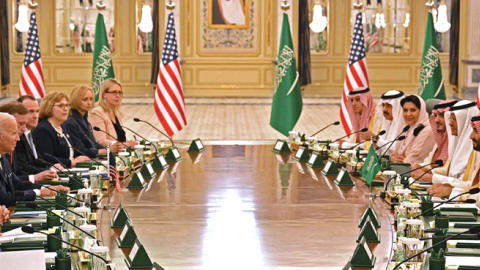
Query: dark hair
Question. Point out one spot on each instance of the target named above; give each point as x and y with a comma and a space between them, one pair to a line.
14, 107
412, 98
22, 98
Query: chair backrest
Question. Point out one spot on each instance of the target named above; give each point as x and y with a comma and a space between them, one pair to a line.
430, 103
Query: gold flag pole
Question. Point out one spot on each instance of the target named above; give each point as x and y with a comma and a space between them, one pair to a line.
285, 5
170, 5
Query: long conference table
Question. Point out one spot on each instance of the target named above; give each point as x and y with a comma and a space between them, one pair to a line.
239, 206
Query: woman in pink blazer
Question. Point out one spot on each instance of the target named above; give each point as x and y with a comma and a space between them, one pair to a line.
108, 117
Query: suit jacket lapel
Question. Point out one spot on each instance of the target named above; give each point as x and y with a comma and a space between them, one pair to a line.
6, 180
24, 140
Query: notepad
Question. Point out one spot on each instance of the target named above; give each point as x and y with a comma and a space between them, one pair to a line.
16, 260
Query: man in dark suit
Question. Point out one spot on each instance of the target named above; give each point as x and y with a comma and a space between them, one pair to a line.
27, 173
9, 182
25, 150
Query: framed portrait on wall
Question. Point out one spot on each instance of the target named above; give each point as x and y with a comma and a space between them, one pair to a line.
228, 14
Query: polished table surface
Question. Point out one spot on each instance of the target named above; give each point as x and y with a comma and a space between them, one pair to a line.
238, 207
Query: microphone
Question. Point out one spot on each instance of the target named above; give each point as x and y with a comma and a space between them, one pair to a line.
156, 149
81, 153
332, 124
379, 134
101, 146
98, 129
27, 184
140, 120
356, 131
33, 205
471, 192
30, 230
466, 201
401, 138
438, 162
429, 238
405, 129
73, 177
425, 173
473, 230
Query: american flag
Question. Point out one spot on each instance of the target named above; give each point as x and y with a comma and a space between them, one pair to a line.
112, 171
478, 96
169, 103
356, 71
374, 44
32, 82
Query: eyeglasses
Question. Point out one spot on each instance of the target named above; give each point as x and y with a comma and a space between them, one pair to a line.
62, 106
115, 93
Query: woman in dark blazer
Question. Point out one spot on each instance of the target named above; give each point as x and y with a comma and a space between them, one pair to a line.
49, 135
77, 126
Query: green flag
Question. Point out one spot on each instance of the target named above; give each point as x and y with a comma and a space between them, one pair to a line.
371, 166
287, 97
102, 57
431, 78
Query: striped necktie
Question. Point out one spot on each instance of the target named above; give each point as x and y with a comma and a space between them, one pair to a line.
30, 140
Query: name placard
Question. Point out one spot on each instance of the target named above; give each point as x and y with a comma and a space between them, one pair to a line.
120, 217
133, 252
138, 257
363, 256
369, 232
147, 171
137, 180
315, 160
299, 153
140, 177
156, 266
173, 154
160, 163
343, 178
281, 146
330, 168
196, 146
278, 145
150, 169
124, 231
162, 160
128, 236
302, 154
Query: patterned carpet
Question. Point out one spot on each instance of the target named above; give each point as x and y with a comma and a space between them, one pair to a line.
235, 118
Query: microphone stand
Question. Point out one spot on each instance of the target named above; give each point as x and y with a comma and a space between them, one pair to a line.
32, 230
76, 227
73, 177
156, 149
140, 120
439, 243
472, 191
332, 124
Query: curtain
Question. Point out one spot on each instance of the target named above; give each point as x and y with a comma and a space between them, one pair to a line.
155, 45
454, 37
5, 59
304, 44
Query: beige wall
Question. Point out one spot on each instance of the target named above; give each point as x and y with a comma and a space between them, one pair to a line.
228, 71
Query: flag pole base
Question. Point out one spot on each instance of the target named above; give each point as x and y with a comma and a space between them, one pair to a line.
371, 195
109, 205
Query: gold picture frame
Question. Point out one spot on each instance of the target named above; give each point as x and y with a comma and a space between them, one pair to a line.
217, 18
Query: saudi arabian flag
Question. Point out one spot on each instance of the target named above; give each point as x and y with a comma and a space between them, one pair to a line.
370, 167
431, 78
287, 97
102, 57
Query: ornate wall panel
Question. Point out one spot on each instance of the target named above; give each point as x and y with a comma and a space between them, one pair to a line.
237, 67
